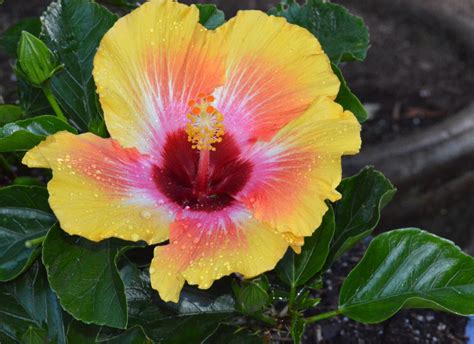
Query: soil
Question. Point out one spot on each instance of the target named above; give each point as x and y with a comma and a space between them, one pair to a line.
415, 75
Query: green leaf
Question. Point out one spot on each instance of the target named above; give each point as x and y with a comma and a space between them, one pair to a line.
297, 327
10, 38
27, 133
84, 276
121, 3
32, 99
343, 36
134, 335
210, 16
73, 29
28, 302
297, 269
408, 268
252, 295
358, 212
347, 99
304, 300
10, 113
36, 62
27, 181
80, 333
199, 312
24, 215
229, 334
35, 335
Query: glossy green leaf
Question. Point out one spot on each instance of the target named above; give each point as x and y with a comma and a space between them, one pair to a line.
408, 268
297, 327
347, 99
134, 335
73, 29
27, 302
25, 134
84, 276
121, 3
35, 335
36, 62
252, 295
343, 36
199, 312
229, 334
297, 269
24, 216
304, 300
80, 333
10, 113
10, 38
210, 16
32, 99
358, 212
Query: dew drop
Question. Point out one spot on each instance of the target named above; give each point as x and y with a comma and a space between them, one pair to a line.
145, 214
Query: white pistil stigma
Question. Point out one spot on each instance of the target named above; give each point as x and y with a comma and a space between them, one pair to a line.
205, 125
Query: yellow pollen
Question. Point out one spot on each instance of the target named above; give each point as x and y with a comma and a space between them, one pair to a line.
205, 126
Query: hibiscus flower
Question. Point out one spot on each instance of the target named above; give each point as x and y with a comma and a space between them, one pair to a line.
225, 144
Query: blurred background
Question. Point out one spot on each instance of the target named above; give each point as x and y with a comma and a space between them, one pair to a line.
417, 84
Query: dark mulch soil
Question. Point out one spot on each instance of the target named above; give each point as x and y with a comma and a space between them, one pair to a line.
415, 74
407, 327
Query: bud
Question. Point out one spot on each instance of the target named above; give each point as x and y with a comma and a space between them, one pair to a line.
36, 63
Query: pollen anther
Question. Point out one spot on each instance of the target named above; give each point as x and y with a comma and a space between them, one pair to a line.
205, 126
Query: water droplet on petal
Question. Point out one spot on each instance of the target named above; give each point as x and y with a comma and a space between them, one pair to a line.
145, 214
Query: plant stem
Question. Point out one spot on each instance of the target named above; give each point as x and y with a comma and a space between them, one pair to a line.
291, 299
323, 316
52, 101
34, 242
4, 164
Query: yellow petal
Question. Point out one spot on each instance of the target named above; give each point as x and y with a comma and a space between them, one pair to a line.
274, 71
301, 167
202, 251
147, 68
101, 190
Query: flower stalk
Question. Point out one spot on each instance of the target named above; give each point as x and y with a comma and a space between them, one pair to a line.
34, 242
53, 102
323, 316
